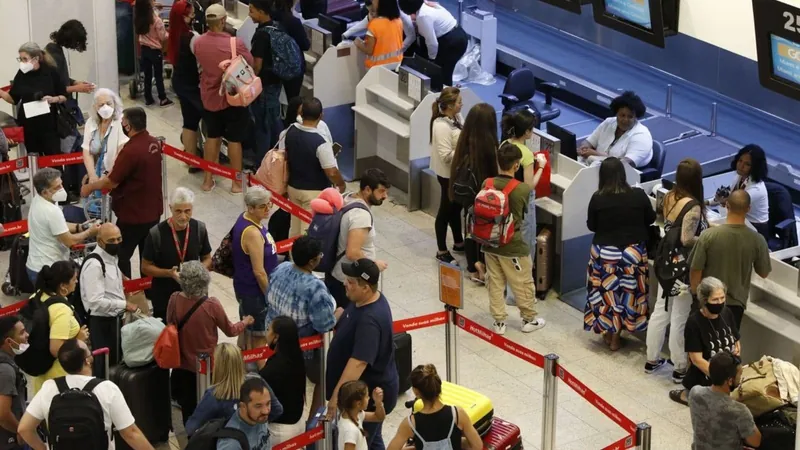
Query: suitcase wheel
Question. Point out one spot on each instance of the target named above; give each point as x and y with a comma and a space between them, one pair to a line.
9, 290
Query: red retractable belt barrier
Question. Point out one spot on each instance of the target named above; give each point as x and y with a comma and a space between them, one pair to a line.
12, 228
415, 323
591, 397
623, 444
60, 160
196, 161
305, 439
498, 341
283, 203
12, 165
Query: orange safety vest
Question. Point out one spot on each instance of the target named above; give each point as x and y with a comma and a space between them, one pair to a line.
388, 35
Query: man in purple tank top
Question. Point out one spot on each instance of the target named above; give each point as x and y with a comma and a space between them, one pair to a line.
254, 258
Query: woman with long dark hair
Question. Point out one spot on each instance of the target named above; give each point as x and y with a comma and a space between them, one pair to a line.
185, 76
683, 203
285, 372
475, 156
152, 36
619, 216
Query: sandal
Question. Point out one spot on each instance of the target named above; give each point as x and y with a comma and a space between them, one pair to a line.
675, 396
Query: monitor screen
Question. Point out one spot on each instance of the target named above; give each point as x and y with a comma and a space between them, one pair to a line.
634, 11
785, 59
335, 25
567, 138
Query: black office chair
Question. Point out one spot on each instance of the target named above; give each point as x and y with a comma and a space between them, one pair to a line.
519, 91
653, 170
782, 224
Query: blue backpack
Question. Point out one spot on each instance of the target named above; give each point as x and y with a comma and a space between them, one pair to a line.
286, 55
326, 228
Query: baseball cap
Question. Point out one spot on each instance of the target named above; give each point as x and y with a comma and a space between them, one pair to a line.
216, 11
364, 268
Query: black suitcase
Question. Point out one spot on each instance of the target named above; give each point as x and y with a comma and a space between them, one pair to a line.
146, 390
17, 281
402, 358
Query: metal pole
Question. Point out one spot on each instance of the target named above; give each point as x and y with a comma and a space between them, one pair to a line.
669, 100
164, 186
550, 399
203, 378
460, 11
714, 119
448, 344
33, 167
643, 436
245, 185
327, 437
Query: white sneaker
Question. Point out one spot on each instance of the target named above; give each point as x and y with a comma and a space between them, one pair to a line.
533, 325
499, 328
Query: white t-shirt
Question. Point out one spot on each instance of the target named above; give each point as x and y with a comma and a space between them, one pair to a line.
434, 22
115, 410
45, 222
759, 201
636, 144
350, 433
352, 220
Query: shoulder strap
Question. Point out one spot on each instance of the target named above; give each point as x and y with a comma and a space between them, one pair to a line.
455, 420
202, 234
53, 300
414, 429
61, 383
512, 183
489, 183
686, 208
233, 433
97, 257
191, 311
233, 48
358, 205
155, 238
92, 384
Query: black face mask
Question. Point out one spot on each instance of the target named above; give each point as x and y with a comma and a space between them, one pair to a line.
126, 131
111, 249
272, 345
715, 308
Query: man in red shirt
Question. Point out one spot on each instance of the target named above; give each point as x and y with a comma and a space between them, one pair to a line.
221, 119
136, 186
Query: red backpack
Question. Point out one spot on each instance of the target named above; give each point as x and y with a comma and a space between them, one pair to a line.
491, 222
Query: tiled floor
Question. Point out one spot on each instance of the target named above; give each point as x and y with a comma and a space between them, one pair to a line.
406, 241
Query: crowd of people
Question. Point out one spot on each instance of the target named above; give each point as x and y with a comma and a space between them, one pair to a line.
281, 302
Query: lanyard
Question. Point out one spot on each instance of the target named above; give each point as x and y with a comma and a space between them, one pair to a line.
181, 254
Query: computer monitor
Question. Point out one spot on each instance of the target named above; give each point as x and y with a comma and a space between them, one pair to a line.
777, 27
650, 21
569, 142
336, 26
428, 68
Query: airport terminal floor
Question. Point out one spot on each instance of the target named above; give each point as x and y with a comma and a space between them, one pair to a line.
406, 240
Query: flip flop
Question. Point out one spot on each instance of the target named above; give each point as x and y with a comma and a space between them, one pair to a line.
675, 396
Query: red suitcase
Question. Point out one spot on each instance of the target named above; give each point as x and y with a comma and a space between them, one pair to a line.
502, 436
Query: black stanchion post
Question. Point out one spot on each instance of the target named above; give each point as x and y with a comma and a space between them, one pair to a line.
643, 436
451, 344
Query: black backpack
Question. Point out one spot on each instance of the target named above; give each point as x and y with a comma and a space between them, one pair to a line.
465, 187
671, 260
81, 313
37, 359
206, 437
75, 421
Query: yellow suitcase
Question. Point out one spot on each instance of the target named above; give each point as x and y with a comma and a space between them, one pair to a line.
478, 406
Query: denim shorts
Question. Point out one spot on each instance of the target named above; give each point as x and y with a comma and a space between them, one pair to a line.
255, 306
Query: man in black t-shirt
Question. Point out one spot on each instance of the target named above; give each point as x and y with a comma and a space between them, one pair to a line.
267, 107
171, 243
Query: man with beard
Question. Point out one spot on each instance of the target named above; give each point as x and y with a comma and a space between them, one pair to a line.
357, 233
251, 416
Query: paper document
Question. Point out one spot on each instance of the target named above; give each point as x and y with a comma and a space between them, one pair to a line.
34, 109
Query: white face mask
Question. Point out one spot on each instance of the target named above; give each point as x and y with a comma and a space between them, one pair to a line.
60, 196
25, 67
21, 349
105, 112
299, 119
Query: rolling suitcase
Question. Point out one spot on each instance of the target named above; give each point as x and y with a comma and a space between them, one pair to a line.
478, 406
146, 391
502, 436
402, 358
18, 281
545, 252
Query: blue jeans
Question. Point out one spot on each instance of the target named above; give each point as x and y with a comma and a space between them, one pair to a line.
255, 306
374, 429
266, 111
528, 230
32, 276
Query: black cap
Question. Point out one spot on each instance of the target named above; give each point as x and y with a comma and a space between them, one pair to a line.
364, 268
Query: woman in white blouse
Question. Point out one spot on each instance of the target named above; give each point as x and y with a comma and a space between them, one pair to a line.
445, 129
445, 41
621, 136
750, 164
103, 136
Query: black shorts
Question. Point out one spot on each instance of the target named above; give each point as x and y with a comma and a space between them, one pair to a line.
191, 110
232, 123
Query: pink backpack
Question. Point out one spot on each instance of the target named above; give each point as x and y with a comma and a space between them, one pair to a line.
240, 84
274, 170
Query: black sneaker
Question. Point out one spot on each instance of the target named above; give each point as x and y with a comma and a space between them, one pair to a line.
652, 367
149, 102
677, 376
446, 257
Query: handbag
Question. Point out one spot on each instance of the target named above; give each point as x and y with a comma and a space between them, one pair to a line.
65, 121
222, 260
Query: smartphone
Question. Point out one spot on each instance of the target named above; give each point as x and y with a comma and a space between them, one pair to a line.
337, 148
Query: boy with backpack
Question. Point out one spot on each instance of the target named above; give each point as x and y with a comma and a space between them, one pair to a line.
13, 387
277, 58
496, 222
81, 411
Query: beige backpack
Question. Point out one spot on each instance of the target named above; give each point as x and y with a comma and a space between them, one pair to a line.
758, 388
